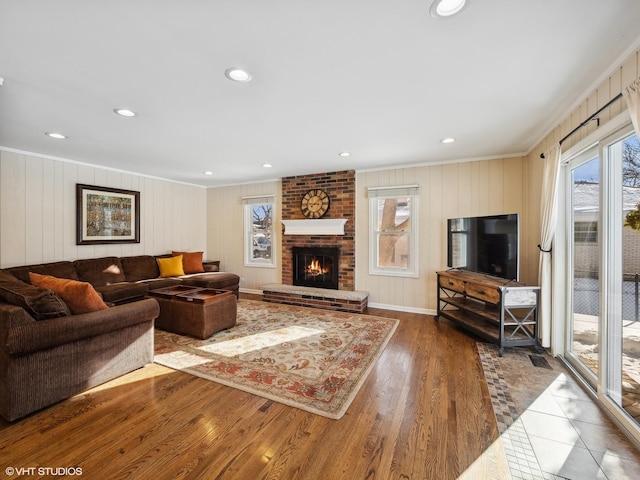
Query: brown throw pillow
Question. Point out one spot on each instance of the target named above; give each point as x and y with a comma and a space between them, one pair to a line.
40, 303
191, 261
81, 297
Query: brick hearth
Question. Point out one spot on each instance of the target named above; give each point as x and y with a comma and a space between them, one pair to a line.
342, 300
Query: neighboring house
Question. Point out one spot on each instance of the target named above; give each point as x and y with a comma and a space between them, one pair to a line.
586, 210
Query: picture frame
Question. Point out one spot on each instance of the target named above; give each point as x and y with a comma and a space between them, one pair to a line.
106, 215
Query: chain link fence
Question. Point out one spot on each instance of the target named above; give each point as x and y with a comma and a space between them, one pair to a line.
586, 299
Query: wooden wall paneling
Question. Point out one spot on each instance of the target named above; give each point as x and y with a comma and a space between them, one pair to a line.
604, 95
591, 108
450, 194
513, 185
38, 210
495, 188
157, 238
86, 175
225, 231
12, 208
59, 190
48, 225
629, 72
174, 229
148, 217
482, 182
466, 200
418, 296
35, 205
69, 179
615, 87
362, 225
185, 240
436, 229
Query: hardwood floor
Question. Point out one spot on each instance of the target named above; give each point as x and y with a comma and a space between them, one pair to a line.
423, 413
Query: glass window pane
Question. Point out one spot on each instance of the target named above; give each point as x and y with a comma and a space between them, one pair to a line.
393, 250
586, 268
258, 219
261, 230
630, 308
394, 214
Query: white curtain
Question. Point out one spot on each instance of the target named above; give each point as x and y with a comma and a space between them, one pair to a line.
549, 218
632, 96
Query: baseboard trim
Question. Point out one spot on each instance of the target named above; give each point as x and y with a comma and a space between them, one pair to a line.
250, 290
402, 308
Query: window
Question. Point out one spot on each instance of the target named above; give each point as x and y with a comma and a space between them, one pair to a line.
393, 231
459, 238
585, 232
258, 228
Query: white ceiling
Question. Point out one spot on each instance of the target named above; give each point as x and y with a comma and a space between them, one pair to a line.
381, 79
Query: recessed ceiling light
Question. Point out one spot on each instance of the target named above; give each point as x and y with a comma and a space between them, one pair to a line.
448, 140
124, 112
57, 136
446, 8
238, 75
267, 165
344, 154
208, 172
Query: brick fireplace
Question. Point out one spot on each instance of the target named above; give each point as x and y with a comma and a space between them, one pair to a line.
340, 186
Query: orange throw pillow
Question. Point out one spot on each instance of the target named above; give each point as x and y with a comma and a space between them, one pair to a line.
80, 297
191, 261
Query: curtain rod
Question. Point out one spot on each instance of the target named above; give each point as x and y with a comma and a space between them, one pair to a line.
589, 119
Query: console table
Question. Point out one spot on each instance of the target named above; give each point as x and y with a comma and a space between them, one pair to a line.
500, 311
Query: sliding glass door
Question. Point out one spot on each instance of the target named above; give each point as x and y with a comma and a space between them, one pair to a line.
603, 331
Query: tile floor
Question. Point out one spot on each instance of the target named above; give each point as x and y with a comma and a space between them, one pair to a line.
550, 427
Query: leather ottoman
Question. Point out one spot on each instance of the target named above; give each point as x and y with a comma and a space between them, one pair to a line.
198, 312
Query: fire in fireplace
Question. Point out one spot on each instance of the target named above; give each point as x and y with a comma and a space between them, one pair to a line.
316, 266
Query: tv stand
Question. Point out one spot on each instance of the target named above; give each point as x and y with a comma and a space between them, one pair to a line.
500, 311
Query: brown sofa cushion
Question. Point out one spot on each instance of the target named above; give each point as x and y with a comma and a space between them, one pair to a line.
122, 292
100, 271
81, 297
39, 302
155, 283
219, 280
141, 267
62, 269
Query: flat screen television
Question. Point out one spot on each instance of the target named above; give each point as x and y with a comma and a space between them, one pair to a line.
486, 245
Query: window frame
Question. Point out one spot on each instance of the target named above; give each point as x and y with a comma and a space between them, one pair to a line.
402, 191
248, 204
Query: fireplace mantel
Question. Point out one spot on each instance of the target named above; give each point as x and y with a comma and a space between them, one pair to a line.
318, 226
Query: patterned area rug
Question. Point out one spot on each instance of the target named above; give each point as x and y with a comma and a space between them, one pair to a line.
311, 359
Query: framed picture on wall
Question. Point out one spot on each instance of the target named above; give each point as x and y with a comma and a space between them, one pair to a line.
107, 215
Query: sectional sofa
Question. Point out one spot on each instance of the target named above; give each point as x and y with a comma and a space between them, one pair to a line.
49, 352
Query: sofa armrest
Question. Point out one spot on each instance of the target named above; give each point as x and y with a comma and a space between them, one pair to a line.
211, 266
12, 316
30, 337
